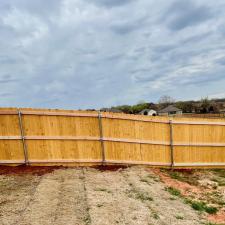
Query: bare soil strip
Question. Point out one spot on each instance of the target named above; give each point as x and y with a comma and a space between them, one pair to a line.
164, 208
59, 199
15, 196
108, 199
75, 196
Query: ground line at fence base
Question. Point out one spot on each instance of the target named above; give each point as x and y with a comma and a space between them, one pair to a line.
126, 162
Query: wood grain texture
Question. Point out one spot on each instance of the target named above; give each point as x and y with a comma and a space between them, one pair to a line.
70, 137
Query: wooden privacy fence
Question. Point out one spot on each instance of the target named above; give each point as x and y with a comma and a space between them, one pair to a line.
60, 137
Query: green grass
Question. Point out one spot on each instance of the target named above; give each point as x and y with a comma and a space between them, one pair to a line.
196, 205
184, 177
173, 191
176, 175
137, 194
202, 207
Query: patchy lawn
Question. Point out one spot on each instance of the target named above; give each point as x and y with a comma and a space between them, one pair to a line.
203, 190
134, 195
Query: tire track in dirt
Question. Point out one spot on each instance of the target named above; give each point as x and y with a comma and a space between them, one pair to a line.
15, 195
43, 204
58, 200
72, 208
109, 202
164, 208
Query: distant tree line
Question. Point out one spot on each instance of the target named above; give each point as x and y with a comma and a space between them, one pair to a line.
202, 106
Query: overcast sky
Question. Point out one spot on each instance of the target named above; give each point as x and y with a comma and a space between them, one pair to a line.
99, 53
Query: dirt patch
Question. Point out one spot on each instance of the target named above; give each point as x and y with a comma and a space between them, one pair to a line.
204, 190
86, 196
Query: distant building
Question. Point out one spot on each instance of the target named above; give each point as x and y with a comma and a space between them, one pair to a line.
148, 112
169, 110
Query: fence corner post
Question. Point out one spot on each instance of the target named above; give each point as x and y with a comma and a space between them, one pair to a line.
23, 138
101, 137
171, 144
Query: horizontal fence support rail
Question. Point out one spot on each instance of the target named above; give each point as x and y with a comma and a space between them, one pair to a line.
137, 162
29, 136
198, 164
136, 141
12, 161
124, 140
88, 138
10, 137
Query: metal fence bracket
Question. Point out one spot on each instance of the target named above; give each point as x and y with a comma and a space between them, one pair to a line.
101, 137
23, 138
171, 143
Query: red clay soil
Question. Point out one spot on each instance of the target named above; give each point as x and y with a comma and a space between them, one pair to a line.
217, 218
187, 190
33, 170
41, 170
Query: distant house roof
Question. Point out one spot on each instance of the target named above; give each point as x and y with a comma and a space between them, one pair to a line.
170, 108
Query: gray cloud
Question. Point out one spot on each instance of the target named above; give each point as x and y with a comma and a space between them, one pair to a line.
182, 14
110, 3
85, 54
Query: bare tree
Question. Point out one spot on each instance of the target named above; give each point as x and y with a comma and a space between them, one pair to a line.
166, 100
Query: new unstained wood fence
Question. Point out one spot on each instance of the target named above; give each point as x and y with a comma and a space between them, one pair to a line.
53, 137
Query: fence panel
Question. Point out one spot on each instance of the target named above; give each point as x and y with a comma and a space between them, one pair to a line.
127, 141
203, 144
66, 138
11, 147
77, 137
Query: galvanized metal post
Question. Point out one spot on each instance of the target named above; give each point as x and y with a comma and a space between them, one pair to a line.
23, 138
101, 137
171, 143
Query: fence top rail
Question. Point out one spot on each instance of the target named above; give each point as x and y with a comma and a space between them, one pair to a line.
9, 112
133, 118
110, 116
198, 123
45, 113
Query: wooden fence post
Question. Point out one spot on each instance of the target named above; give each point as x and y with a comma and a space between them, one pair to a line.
171, 143
23, 138
101, 137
